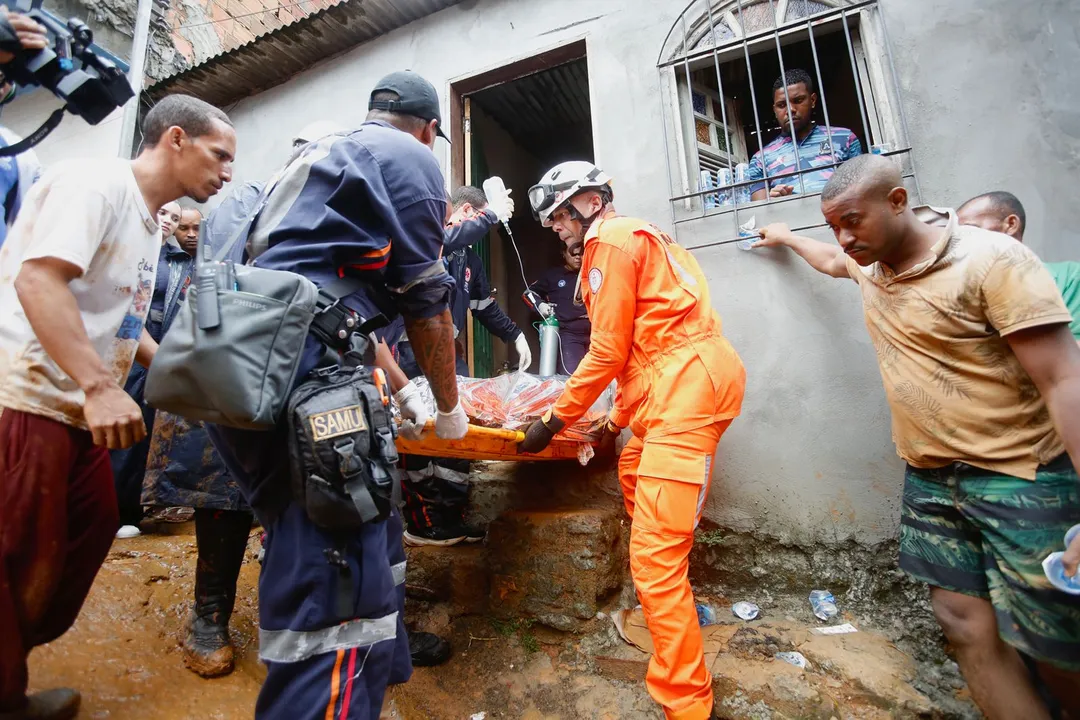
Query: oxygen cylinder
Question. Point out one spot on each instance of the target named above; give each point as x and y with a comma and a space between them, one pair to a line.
549, 346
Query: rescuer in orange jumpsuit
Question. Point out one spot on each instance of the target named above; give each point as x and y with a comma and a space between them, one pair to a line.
680, 384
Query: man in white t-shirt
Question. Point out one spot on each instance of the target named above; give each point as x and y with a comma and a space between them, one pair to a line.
76, 278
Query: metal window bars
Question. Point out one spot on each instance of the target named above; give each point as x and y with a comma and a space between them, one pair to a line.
715, 31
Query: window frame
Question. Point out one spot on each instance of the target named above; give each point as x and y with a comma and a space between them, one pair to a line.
868, 49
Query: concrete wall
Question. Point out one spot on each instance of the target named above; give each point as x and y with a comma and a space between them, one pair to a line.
991, 102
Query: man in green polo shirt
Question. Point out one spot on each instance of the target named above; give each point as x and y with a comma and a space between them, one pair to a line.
1002, 212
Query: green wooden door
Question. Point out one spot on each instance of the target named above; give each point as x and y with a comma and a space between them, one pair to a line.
483, 358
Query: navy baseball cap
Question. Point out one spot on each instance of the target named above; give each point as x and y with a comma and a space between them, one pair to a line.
416, 97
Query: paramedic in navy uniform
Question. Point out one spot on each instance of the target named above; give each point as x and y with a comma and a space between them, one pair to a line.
368, 204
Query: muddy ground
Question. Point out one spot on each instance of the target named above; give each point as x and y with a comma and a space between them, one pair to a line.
123, 655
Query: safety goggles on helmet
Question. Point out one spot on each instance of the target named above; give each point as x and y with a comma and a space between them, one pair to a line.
545, 195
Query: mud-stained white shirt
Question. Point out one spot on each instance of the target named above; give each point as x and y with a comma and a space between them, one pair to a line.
91, 214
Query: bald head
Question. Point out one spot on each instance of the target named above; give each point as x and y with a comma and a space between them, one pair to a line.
866, 205
866, 175
998, 211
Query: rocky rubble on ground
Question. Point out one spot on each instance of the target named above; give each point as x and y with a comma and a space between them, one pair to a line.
529, 615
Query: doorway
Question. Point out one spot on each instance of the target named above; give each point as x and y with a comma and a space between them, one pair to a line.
516, 122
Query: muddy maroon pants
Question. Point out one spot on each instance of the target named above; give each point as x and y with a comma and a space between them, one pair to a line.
57, 520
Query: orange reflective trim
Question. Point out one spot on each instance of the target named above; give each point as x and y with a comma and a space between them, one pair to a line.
377, 253
335, 686
376, 265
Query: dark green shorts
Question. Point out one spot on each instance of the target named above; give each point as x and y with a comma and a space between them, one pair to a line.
980, 533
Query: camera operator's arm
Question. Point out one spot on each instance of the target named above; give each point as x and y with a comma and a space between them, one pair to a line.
30, 34
115, 419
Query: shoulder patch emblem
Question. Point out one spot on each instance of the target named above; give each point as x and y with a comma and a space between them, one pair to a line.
562, 283
596, 279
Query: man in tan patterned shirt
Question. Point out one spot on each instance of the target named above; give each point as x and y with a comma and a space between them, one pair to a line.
983, 380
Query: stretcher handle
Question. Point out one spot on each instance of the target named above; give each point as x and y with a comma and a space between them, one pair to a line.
478, 431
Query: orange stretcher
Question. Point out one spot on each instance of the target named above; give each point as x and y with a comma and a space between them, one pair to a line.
483, 443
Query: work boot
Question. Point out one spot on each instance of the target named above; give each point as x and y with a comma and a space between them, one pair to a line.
207, 649
436, 493
221, 536
427, 649
55, 704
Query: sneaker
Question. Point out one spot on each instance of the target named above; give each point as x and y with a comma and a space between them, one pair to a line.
128, 531
428, 650
55, 704
449, 532
473, 534
439, 536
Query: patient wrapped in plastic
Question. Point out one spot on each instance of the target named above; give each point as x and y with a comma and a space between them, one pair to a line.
513, 401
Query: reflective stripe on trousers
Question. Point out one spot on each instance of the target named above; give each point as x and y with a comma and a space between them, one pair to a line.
398, 572
288, 646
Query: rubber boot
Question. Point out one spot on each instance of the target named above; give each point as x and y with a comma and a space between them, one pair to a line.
221, 536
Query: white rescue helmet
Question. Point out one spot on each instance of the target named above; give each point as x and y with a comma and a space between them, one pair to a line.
317, 130
561, 183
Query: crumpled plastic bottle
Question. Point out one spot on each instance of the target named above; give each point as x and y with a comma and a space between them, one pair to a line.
706, 615
823, 604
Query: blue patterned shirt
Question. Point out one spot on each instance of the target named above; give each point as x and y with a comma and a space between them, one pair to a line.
817, 149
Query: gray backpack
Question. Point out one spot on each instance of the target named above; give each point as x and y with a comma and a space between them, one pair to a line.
232, 354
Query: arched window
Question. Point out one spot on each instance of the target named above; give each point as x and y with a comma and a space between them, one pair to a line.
726, 121
732, 22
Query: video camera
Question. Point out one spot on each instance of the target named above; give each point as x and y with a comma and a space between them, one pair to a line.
91, 91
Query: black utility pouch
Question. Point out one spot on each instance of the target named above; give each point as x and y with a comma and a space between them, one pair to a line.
341, 448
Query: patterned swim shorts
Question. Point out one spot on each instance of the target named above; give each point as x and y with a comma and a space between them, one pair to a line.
981, 533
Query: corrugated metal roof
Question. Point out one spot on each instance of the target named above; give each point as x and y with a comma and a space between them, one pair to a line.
273, 58
548, 111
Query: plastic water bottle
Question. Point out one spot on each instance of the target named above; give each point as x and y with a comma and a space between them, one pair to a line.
742, 194
711, 200
706, 615
823, 604
723, 180
748, 230
1055, 569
